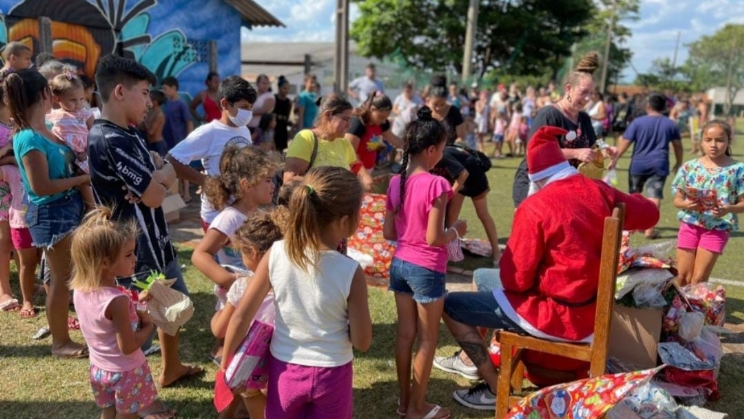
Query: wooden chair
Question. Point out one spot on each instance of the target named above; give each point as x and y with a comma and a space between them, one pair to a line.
511, 372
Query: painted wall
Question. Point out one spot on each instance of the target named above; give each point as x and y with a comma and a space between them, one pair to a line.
165, 35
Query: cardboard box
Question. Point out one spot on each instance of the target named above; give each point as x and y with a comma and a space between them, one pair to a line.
634, 335
171, 206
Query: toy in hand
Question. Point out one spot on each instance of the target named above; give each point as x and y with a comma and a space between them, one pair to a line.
169, 309
708, 198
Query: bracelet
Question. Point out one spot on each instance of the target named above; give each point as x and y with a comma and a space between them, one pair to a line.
457, 235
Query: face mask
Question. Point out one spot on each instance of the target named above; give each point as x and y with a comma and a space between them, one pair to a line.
242, 118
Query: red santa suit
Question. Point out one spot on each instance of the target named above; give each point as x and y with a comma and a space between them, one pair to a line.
550, 268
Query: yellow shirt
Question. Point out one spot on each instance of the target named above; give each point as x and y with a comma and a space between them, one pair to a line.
336, 153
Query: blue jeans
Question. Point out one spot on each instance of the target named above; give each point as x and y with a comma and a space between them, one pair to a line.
172, 271
478, 309
425, 285
487, 279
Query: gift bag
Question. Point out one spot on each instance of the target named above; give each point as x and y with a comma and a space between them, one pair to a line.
168, 308
709, 300
585, 399
248, 367
369, 239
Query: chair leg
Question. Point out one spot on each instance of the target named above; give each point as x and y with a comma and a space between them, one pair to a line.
598, 366
505, 374
518, 372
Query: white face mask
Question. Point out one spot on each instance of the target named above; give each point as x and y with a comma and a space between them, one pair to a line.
242, 118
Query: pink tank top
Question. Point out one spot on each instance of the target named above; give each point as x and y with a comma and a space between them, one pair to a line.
99, 331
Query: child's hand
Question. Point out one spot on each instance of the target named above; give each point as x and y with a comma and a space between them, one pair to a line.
692, 205
145, 319
82, 156
461, 226
157, 160
722, 210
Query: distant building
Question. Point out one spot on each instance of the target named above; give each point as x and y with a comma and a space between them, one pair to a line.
293, 59
717, 96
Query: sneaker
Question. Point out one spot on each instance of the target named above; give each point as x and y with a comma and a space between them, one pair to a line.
455, 365
479, 397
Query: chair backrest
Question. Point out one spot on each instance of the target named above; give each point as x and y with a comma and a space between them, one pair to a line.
611, 236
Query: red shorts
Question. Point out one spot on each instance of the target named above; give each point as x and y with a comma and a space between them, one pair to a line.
21, 238
692, 237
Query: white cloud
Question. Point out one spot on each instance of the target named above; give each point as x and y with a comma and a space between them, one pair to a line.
654, 34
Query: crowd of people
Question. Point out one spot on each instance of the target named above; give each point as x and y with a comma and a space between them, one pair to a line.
277, 214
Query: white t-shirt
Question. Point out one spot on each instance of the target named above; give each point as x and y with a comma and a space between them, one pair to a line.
207, 143
237, 289
227, 222
366, 86
312, 317
406, 112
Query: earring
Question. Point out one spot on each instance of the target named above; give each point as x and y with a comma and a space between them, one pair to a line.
568, 98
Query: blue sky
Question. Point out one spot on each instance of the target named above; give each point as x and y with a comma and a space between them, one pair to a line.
654, 35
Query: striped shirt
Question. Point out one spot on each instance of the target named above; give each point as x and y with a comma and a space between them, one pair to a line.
119, 164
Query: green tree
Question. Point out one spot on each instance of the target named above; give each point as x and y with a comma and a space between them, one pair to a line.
718, 60
610, 13
531, 37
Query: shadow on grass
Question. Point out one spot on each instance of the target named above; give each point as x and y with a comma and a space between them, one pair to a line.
381, 400
734, 305
42, 350
77, 409
731, 385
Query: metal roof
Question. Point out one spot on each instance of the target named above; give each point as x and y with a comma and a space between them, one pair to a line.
253, 14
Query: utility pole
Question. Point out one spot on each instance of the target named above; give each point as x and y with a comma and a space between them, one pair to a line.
341, 56
472, 27
606, 63
676, 50
729, 78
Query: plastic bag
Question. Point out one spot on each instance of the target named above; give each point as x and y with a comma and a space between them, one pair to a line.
648, 401
708, 348
686, 369
249, 364
673, 315
364, 260
690, 326
610, 178
707, 300
647, 286
685, 395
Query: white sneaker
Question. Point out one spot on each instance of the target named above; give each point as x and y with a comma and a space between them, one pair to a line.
455, 365
479, 397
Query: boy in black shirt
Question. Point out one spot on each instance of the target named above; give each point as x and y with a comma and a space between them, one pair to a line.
133, 181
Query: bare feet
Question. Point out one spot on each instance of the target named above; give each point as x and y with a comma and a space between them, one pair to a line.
184, 371
28, 311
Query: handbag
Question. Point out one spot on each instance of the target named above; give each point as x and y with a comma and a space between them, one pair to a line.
278, 179
454, 249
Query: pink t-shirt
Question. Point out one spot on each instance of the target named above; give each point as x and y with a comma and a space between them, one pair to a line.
422, 190
5, 137
99, 331
19, 199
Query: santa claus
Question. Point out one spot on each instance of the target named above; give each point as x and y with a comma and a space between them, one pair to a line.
550, 268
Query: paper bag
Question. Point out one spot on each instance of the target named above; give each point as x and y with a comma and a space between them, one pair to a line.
168, 308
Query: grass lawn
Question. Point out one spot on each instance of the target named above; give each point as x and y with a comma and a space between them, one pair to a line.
37, 386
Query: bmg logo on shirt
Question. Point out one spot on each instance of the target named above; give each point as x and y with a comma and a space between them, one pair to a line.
126, 171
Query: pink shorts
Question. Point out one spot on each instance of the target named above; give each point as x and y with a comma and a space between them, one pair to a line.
297, 391
130, 391
21, 238
692, 237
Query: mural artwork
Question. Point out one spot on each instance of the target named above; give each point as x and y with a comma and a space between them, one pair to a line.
151, 32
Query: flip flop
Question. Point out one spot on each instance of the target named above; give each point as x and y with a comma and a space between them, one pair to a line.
433, 413
193, 370
10, 305
41, 333
400, 412
78, 354
28, 313
163, 409
217, 360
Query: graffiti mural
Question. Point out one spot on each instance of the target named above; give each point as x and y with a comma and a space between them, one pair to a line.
165, 36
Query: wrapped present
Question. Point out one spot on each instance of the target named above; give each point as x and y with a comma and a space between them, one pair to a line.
709, 300
686, 369
648, 401
168, 308
248, 367
590, 398
649, 256
369, 239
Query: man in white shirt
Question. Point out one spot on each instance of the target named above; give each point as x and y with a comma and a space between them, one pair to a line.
362, 87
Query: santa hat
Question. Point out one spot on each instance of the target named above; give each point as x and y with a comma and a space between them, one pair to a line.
544, 155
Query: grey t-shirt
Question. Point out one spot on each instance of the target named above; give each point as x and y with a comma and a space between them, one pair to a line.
366, 86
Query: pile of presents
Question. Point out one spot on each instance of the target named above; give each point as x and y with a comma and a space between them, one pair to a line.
665, 351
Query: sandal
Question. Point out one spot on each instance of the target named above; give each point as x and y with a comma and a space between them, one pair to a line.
158, 413
76, 354
28, 313
193, 370
10, 305
434, 412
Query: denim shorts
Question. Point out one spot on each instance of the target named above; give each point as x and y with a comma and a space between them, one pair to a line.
425, 285
654, 185
51, 222
478, 309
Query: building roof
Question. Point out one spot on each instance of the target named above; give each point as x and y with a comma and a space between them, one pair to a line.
290, 51
253, 14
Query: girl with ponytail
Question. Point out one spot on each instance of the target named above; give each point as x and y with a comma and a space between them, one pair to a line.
416, 209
